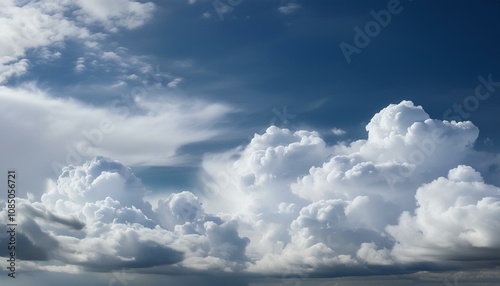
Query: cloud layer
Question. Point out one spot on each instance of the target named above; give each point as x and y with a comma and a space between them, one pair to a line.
415, 192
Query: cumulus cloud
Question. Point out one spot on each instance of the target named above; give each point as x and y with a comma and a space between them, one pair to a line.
414, 194
111, 226
457, 218
404, 148
351, 203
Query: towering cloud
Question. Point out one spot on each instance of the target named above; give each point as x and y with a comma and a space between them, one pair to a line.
351, 204
414, 192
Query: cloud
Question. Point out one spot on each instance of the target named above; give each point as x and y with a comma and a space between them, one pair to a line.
271, 160
412, 196
289, 8
80, 65
28, 25
113, 227
404, 148
110, 56
338, 131
137, 131
12, 68
114, 14
350, 204
457, 218
175, 82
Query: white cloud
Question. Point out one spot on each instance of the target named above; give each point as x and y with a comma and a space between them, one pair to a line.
114, 14
289, 8
175, 82
340, 205
270, 161
338, 131
403, 149
43, 24
285, 203
456, 217
15, 68
110, 56
80, 65
137, 131
120, 229
45, 54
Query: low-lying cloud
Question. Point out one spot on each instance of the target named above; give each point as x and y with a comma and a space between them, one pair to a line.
413, 194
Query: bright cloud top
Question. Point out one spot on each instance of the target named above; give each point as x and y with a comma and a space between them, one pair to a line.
414, 192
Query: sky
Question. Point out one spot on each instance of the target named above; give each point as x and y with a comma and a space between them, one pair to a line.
250, 142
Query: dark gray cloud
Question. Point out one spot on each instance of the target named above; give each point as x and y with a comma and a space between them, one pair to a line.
70, 222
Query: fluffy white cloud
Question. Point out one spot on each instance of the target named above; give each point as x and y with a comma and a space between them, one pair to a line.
404, 148
341, 204
457, 217
95, 217
285, 203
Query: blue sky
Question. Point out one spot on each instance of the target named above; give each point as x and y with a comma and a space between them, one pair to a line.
240, 138
428, 53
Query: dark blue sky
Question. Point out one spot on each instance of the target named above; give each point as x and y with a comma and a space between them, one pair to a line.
256, 59
261, 62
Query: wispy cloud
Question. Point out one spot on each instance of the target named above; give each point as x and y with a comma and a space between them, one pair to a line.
136, 130
289, 8
49, 26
